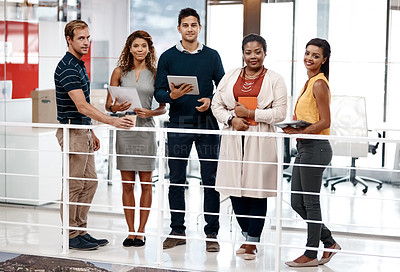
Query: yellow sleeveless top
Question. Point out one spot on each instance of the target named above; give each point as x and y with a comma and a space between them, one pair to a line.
306, 107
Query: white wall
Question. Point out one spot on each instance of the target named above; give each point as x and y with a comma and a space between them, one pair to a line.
109, 21
52, 47
225, 33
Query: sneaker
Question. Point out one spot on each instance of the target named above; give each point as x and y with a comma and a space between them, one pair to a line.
79, 243
173, 242
89, 238
212, 246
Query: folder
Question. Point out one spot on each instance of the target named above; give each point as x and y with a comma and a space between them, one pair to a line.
250, 103
126, 93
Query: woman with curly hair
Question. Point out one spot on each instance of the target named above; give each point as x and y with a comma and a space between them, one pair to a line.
136, 68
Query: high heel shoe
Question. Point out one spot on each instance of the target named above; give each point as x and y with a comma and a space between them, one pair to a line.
139, 242
327, 256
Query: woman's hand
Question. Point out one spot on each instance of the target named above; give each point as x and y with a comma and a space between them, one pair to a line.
120, 106
290, 130
241, 110
240, 124
143, 113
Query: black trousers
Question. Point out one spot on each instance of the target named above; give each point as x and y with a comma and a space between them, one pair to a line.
309, 179
179, 146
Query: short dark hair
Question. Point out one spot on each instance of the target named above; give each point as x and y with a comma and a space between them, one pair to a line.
326, 51
186, 12
254, 37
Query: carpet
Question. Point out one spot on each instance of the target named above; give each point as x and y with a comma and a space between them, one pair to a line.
10, 262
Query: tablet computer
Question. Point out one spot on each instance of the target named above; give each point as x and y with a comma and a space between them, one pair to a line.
179, 80
293, 124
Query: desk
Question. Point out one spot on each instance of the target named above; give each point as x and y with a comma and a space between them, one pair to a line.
391, 127
384, 127
41, 157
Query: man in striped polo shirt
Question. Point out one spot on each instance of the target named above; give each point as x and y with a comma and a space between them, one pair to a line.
73, 107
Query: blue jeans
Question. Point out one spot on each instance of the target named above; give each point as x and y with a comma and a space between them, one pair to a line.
309, 179
251, 227
179, 146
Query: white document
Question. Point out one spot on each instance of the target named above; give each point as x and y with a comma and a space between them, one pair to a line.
179, 80
125, 93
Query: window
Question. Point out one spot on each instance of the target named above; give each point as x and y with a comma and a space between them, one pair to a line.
160, 19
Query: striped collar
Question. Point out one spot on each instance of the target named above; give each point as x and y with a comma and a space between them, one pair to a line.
71, 56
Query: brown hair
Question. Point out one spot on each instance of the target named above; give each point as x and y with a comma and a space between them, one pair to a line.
71, 26
125, 61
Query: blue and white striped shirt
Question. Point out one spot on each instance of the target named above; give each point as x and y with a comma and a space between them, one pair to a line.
71, 75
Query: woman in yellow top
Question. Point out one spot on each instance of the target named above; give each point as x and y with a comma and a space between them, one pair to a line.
313, 106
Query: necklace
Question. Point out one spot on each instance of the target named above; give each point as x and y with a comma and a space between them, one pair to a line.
254, 76
247, 86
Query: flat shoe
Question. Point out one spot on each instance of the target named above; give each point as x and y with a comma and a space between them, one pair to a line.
249, 256
128, 242
212, 246
241, 249
173, 242
139, 242
250, 252
330, 255
311, 263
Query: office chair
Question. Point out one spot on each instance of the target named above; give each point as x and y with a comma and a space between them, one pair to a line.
289, 153
349, 118
395, 179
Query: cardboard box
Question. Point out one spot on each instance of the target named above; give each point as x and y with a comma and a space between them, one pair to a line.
44, 109
98, 98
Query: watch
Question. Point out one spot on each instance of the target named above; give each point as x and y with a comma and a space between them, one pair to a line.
111, 109
230, 120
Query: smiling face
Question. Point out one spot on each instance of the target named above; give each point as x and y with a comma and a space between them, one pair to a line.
189, 29
254, 55
314, 58
79, 44
139, 49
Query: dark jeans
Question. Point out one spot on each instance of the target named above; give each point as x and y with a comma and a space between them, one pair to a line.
179, 146
251, 227
309, 179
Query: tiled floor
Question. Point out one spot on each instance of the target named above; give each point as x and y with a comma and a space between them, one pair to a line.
348, 212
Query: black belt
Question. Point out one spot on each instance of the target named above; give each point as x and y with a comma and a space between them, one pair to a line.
75, 122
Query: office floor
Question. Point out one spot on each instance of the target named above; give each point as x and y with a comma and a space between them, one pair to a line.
363, 224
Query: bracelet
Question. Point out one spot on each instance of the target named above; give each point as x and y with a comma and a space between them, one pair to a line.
248, 115
111, 109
